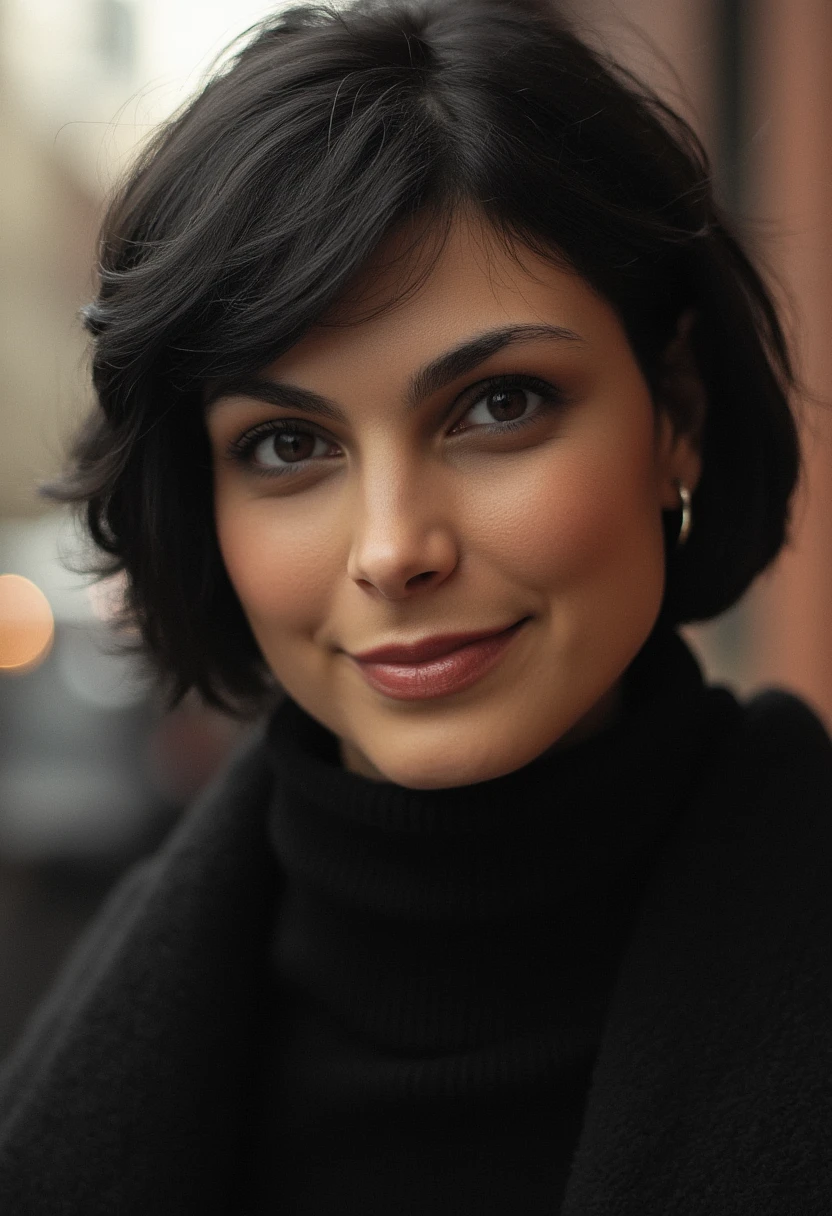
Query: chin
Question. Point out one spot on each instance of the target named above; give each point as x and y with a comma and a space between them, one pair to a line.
449, 775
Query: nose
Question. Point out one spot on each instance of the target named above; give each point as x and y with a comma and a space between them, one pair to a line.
404, 538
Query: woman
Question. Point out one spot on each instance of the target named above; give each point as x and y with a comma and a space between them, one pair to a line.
433, 394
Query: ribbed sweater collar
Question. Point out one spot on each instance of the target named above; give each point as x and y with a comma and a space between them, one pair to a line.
436, 923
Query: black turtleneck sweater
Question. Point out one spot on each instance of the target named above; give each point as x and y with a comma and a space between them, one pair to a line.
443, 959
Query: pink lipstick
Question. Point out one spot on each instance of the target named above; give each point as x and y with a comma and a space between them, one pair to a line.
436, 667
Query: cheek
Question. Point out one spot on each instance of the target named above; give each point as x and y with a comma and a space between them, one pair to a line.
586, 516
277, 564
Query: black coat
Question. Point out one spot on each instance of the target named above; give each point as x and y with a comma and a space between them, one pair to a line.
130, 1092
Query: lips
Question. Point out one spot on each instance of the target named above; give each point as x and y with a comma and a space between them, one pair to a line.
429, 648
452, 672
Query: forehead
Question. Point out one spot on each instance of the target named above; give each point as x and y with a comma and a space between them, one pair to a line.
425, 288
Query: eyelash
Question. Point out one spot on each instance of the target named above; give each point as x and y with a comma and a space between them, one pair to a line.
242, 450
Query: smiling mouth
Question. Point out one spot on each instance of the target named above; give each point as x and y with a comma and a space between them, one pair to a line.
451, 672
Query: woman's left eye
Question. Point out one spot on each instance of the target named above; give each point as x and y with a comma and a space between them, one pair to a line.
505, 405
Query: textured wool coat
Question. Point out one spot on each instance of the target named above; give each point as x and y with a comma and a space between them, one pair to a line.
129, 1093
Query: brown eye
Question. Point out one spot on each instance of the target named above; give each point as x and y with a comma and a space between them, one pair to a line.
507, 404
284, 447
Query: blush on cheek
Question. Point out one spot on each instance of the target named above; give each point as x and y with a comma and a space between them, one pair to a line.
572, 522
277, 582
588, 531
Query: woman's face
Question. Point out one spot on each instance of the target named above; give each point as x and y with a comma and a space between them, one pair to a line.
426, 502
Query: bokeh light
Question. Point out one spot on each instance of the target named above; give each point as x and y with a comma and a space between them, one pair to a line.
27, 626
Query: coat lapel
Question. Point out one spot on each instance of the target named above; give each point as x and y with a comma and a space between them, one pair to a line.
712, 1091
128, 1091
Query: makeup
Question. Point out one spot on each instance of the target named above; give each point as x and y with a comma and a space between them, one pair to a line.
439, 677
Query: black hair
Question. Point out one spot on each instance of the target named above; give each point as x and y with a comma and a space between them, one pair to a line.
251, 211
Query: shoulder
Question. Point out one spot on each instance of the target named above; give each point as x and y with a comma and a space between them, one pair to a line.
204, 881
786, 738
156, 1002
787, 722
769, 777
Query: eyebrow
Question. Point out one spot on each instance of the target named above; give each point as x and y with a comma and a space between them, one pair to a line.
424, 383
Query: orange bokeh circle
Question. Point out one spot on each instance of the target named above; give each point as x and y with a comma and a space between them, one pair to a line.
27, 626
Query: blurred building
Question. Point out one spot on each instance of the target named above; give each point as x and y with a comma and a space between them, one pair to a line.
84, 82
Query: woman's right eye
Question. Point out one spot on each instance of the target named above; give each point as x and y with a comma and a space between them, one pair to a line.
277, 448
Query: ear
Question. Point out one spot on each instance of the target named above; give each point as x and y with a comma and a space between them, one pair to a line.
681, 406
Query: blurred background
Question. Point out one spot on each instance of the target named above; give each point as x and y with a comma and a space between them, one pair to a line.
93, 771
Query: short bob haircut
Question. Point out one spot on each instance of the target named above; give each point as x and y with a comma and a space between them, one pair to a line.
251, 211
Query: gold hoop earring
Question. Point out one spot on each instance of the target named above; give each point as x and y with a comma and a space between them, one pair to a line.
686, 524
